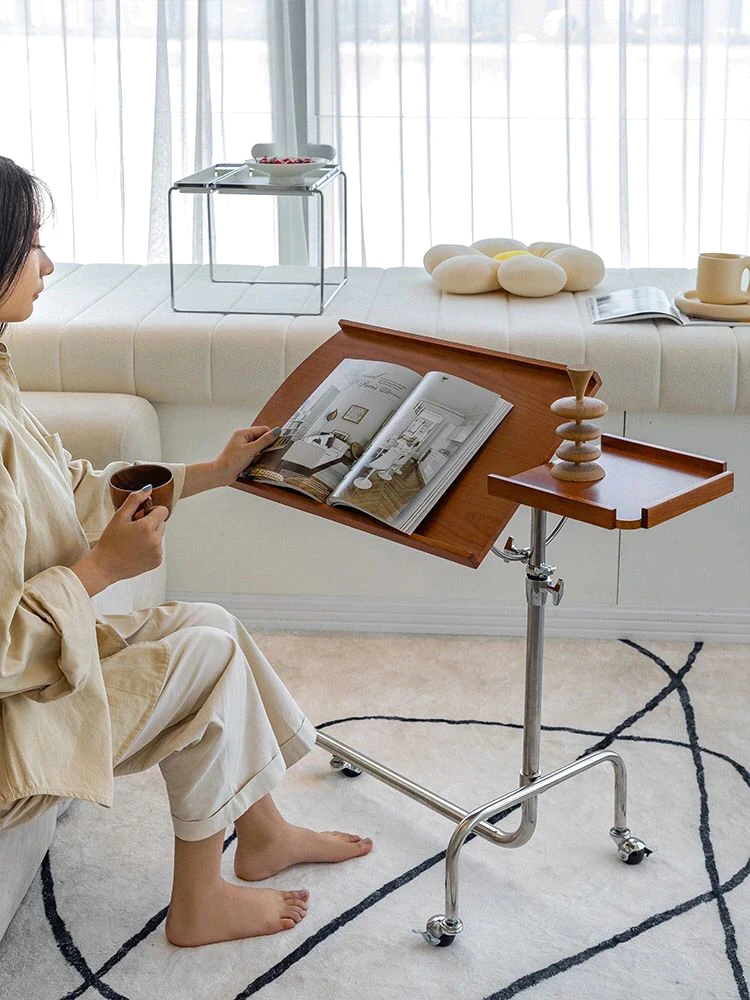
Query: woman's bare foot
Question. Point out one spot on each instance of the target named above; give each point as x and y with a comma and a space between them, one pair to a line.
229, 912
260, 855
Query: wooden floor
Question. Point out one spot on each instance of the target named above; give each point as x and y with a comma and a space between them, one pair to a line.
384, 499
313, 487
273, 469
316, 489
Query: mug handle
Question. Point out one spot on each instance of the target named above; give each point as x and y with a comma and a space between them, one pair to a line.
143, 508
745, 269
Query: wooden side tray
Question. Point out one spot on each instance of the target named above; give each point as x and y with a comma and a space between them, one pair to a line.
464, 524
644, 486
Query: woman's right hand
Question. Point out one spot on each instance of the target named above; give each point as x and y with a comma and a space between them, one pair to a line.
126, 548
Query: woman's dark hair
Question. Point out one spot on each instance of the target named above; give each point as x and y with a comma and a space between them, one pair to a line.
23, 200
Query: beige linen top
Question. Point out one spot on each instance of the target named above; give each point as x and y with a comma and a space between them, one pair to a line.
73, 694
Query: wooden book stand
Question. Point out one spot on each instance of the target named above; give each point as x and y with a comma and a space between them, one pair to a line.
644, 486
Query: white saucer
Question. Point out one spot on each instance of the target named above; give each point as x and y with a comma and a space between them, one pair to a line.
689, 303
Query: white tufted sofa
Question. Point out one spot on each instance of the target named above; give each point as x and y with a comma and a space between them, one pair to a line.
102, 427
109, 328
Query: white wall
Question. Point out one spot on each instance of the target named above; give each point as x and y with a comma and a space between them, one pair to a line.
249, 553
699, 560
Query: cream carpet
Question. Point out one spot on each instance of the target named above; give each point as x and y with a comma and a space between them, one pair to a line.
559, 918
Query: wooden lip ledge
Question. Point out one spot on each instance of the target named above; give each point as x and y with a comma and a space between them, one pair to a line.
645, 485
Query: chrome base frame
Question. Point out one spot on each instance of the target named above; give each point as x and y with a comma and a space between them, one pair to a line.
443, 928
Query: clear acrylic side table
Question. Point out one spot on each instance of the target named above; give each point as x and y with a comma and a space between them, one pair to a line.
238, 178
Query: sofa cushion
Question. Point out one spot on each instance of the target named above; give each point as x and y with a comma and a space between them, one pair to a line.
110, 328
102, 427
99, 426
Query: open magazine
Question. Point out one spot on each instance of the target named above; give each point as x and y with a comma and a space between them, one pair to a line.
382, 439
643, 302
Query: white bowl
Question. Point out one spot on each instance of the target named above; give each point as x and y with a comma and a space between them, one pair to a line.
279, 170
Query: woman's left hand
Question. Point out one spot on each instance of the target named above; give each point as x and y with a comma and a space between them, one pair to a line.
242, 447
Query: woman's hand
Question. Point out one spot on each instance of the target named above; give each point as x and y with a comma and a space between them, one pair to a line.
127, 547
243, 446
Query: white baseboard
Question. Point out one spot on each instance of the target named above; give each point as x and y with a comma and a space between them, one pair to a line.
362, 614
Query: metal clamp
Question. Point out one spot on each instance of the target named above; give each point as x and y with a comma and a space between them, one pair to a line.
509, 552
537, 587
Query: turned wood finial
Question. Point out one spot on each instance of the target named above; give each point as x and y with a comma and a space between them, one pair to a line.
580, 377
577, 452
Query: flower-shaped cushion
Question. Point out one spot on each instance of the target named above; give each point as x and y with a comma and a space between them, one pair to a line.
536, 270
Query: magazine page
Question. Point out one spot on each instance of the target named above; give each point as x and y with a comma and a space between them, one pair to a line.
701, 321
322, 441
643, 302
417, 455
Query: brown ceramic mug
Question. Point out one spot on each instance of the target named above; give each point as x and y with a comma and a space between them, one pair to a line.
135, 477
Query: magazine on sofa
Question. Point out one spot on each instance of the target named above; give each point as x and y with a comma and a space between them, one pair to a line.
643, 302
382, 439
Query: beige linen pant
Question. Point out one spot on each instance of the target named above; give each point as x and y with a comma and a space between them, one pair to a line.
224, 728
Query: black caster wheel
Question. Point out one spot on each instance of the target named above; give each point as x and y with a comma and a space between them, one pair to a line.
350, 770
629, 849
635, 857
445, 940
434, 934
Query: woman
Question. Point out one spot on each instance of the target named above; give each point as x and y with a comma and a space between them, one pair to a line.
181, 685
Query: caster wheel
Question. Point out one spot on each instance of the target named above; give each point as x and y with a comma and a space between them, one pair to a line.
629, 849
435, 932
635, 857
350, 770
445, 940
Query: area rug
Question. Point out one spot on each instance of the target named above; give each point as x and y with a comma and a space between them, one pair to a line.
559, 918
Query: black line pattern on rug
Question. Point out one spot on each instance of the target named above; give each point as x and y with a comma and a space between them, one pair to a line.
674, 683
93, 980
64, 939
717, 890
529, 981
534, 978
730, 935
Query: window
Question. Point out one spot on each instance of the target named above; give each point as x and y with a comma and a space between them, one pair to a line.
620, 125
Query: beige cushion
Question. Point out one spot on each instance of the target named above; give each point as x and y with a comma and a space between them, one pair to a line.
531, 276
466, 274
102, 427
442, 251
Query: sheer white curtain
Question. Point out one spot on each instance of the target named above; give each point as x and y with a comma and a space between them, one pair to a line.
109, 101
620, 125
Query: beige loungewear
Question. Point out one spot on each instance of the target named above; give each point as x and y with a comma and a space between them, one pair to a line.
85, 698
